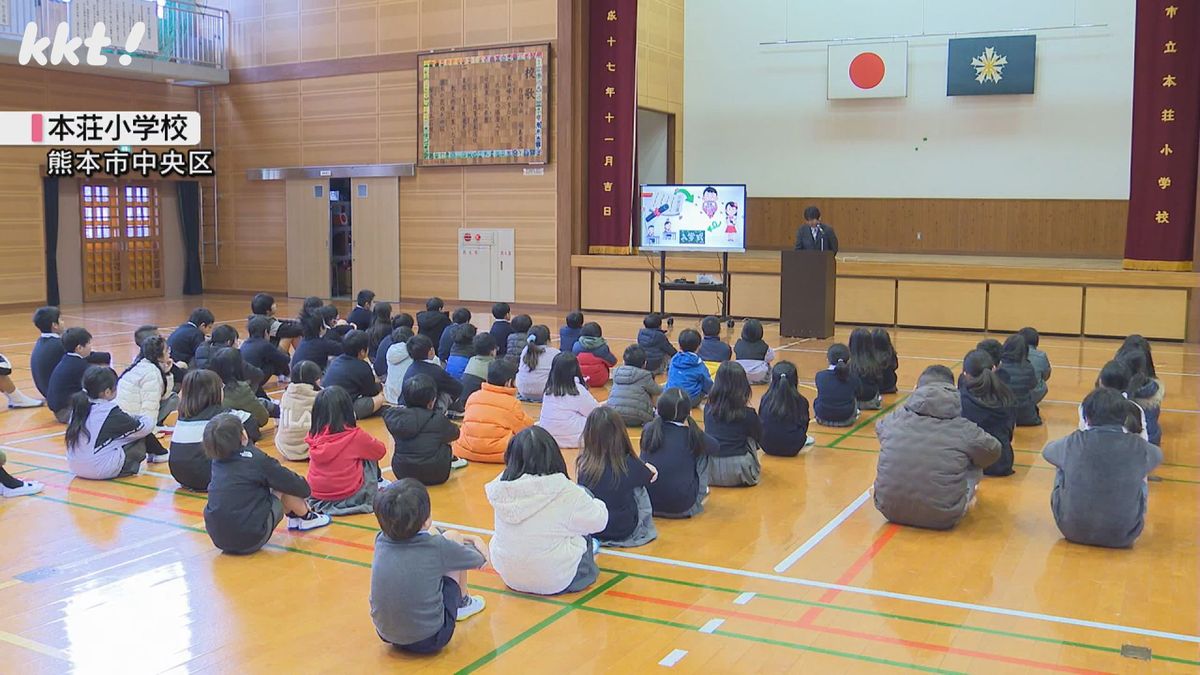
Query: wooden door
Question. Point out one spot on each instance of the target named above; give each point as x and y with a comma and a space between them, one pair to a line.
122, 241
375, 222
308, 238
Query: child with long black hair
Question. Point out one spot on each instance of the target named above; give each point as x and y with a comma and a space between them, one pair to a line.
608, 467
729, 419
343, 460
1145, 389
533, 368
381, 327
783, 411
147, 388
544, 522
866, 365
988, 402
227, 364
1018, 373
566, 402
680, 451
888, 359
104, 442
201, 398
836, 404
315, 346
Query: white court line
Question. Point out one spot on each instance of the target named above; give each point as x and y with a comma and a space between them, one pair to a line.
744, 598
712, 625
809, 583
38, 438
674, 657
823, 532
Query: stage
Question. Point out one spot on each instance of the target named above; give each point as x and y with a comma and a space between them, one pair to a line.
1056, 295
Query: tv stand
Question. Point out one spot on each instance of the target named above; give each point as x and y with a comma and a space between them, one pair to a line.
664, 286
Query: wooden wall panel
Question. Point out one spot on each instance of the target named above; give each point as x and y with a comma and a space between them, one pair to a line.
22, 264
1154, 313
865, 301
615, 290
754, 295
660, 64
1026, 227
941, 304
1050, 309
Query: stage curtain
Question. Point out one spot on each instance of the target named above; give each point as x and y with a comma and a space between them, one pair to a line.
612, 125
1166, 136
189, 220
50, 231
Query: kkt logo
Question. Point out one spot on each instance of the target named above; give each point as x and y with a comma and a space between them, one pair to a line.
64, 45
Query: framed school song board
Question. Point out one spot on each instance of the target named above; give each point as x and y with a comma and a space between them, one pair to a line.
484, 106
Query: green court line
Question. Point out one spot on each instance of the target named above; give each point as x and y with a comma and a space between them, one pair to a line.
854, 429
618, 576
540, 626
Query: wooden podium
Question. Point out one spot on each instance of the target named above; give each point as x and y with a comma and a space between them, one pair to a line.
807, 288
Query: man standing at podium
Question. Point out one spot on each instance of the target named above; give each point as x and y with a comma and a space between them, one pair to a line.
814, 235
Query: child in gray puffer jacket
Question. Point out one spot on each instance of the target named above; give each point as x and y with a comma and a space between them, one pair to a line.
634, 389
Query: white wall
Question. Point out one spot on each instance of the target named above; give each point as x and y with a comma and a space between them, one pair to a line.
759, 114
651, 146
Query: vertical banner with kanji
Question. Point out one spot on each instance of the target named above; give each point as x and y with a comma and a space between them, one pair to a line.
1166, 136
612, 125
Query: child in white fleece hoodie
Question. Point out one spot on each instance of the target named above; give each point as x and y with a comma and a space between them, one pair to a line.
544, 521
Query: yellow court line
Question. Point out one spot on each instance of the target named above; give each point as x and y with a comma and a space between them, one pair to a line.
25, 643
10, 582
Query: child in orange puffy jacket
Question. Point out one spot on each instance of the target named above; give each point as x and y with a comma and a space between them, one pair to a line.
492, 417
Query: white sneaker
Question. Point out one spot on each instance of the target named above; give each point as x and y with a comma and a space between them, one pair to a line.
809, 441
309, 521
383, 483
458, 463
31, 487
158, 459
474, 604
19, 399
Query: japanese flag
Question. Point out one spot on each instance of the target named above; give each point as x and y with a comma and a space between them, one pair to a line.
877, 70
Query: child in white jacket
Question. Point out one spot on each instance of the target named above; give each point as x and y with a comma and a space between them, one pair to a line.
534, 367
146, 388
567, 402
544, 521
398, 362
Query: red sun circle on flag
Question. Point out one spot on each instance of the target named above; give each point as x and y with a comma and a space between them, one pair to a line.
867, 70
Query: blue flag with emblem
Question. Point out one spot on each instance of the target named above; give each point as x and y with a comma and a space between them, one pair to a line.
991, 65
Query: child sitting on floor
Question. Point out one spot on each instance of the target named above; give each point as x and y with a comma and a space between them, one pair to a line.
569, 334
634, 389
380, 328
1100, 490
461, 317
752, 352
11, 486
518, 338
201, 398
316, 345
68, 374
653, 340
783, 411
566, 403
422, 435
1145, 389
187, 338
48, 350
1116, 375
595, 358
493, 416
432, 322
360, 316
868, 368
104, 442
238, 395
461, 351
343, 460
988, 402
534, 365
281, 333
608, 467
353, 373
931, 458
713, 351
258, 352
1037, 357
836, 404
448, 389
147, 388
419, 574
379, 363
687, 371
680, 450
476, 372
295, 411
501, 327
737, 428
1018, 373
544, 522
397, 362
888, 360
250, 492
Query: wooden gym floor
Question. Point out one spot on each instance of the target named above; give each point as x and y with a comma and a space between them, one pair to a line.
798, 574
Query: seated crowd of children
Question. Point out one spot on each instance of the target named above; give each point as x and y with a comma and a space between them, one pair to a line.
935, 447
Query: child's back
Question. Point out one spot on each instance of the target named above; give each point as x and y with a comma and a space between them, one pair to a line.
1100, 490
189, 466
493, 415
531, 382
564, 416
295, 417
687, 371
398, 362
755, 357
335, 468
422, 437
632, 394
835, 401
241, 512
681, 474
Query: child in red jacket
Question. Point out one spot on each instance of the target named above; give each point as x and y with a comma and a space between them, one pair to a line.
343, 460
595, 358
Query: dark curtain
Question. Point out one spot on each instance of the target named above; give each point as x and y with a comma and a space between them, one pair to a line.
612, 125
50, 227
189, 219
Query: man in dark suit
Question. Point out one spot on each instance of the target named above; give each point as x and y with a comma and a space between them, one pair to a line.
814, 235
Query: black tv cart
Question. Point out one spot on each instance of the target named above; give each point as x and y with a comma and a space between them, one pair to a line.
691, 286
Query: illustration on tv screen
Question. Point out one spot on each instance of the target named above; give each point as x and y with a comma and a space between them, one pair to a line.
693, 218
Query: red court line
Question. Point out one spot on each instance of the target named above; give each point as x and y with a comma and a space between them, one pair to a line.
914, 644
48, 425
851, 572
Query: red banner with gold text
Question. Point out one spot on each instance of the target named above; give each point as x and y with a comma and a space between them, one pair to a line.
1166, 136
612, 124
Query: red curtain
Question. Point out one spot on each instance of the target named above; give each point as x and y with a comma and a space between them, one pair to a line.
612, 125
1166, 136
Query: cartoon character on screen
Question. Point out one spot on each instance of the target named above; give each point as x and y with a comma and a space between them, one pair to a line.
668, 235
651, 237
731, 214
708, 202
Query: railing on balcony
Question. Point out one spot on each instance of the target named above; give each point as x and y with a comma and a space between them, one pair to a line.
178, 32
